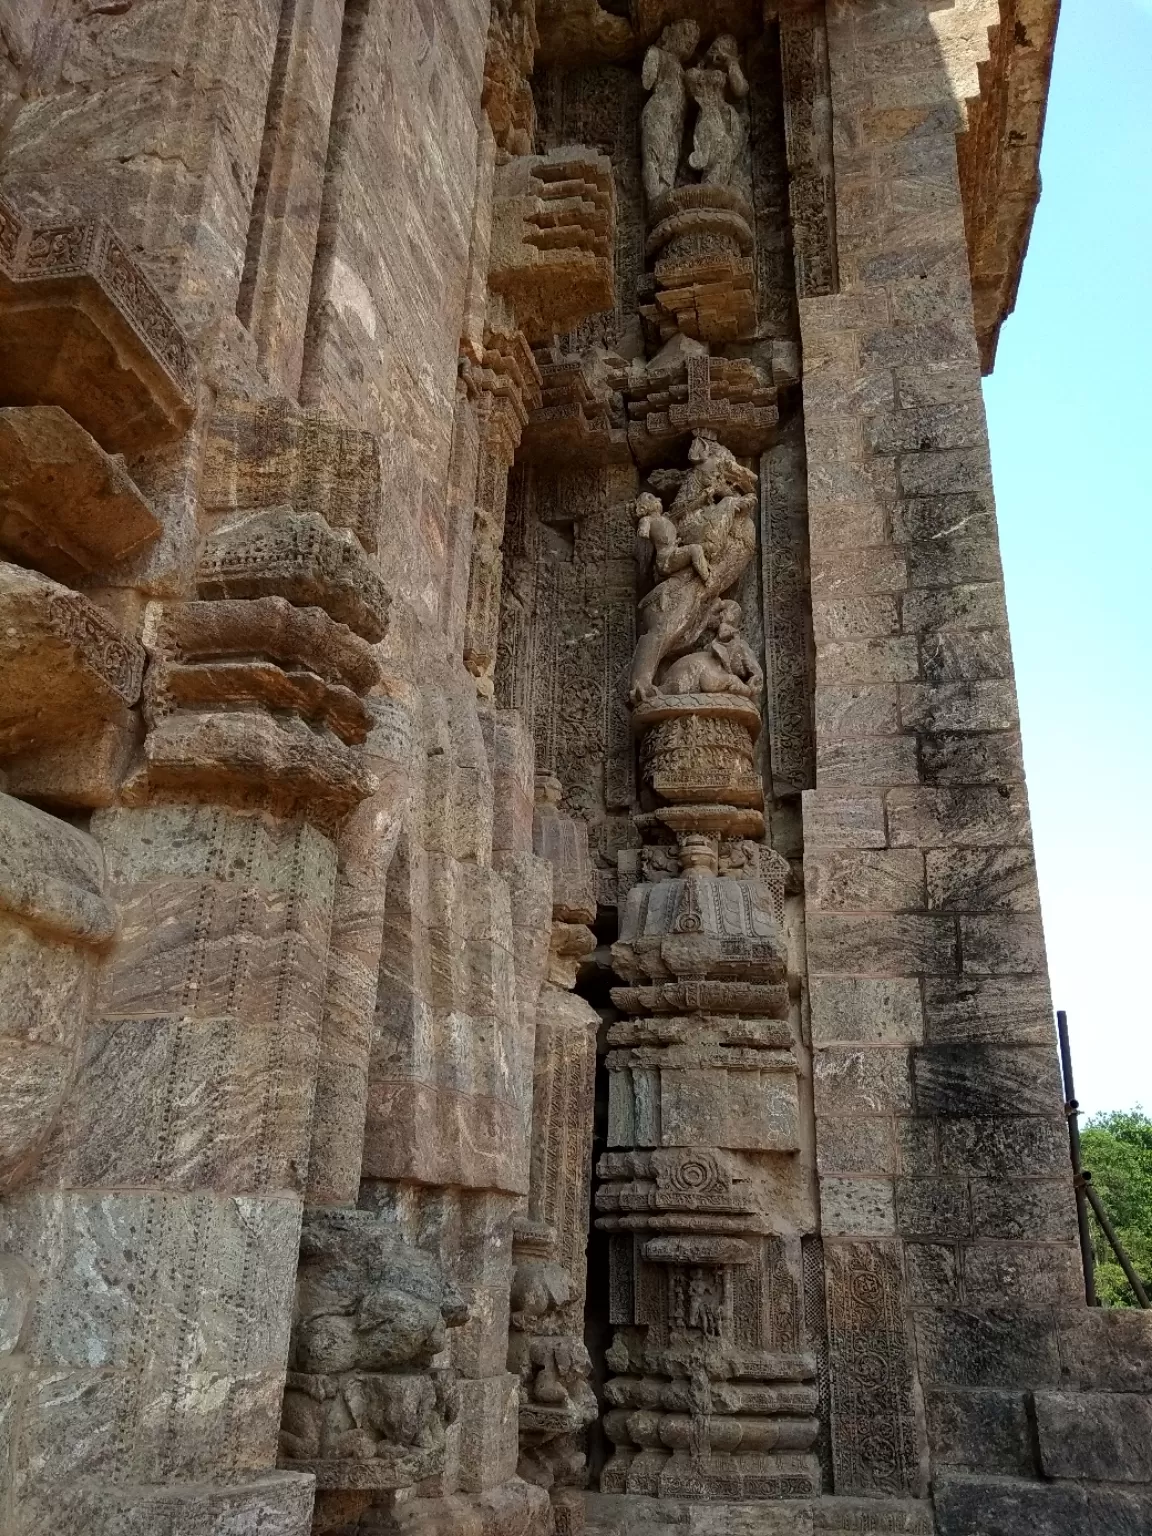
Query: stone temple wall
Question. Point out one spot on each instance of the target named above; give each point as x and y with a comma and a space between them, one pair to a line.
522, 992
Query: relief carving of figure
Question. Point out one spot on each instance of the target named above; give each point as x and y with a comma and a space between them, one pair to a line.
721, 135
662, 121
727, 665
712, 515
556, 1401
369, 1321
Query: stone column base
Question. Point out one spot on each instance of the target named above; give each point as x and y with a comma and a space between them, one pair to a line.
617, 1514
278, 1504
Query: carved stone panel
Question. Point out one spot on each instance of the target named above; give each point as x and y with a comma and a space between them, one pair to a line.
875, 1435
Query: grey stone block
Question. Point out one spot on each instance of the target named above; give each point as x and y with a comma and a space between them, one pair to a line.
984, 1431
864, 1009
972, 605
919, 1146
985, 1080
855, 1144
989, 1011
1108, 1348
881, 880
958, 706
958, 818
867, 1081
933, 1208
894, 660
982, 880
905, 944
950, 759
1103, 1437
864, 710
989, 1507
993, 1348
918, 518
951, 656
998, 1149
857, 1207
1024, 1272
879, 760
1002, 945
1024, 1209
933, 1271
952, 562
279, 1504
844, 820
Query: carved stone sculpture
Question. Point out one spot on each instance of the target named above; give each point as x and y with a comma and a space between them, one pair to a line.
364, 1407
711, 518
662, 121
720, 141
726, 665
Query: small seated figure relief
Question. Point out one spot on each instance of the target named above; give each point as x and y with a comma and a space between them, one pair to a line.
712, 517
721, 137
726, 665
662, 120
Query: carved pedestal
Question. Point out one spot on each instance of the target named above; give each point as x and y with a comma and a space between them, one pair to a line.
715, 1393
698, 748
702, 243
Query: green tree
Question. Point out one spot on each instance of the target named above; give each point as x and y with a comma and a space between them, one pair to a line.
1117, 1149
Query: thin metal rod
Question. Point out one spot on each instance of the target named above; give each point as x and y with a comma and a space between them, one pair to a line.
1072, 1115
1117, 1246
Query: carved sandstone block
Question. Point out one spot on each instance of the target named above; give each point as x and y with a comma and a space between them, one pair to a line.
66, 506
85, 330
552, 232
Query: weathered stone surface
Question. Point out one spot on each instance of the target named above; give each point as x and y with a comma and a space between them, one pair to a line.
66, 506
550, 605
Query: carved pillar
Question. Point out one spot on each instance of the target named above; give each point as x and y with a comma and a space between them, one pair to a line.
546, 1345
702, 1192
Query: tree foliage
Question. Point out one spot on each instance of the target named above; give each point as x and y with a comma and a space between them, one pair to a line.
1117, 1150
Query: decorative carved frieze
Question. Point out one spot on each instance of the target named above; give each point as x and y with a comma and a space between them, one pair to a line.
255, 692
70, 675
808, 134
66, 507
875, 1441
82, 328
273, 453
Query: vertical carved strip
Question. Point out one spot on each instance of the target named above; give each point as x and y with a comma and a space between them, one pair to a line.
808, 134
789, 677
874, 1432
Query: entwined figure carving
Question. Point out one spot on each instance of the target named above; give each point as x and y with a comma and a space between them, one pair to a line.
662, 121
715, 538
716, 84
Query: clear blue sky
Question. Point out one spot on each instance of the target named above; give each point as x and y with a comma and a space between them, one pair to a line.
1071, 420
